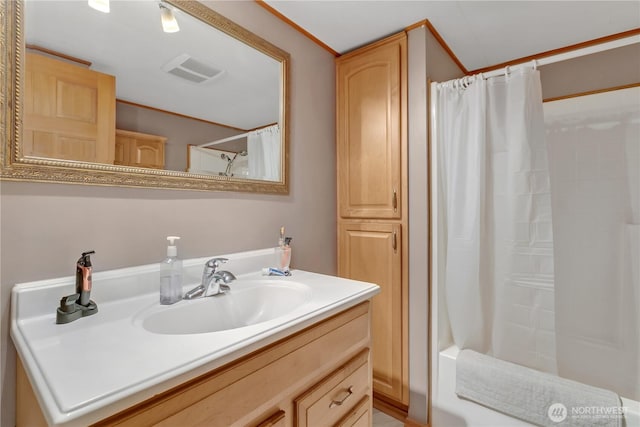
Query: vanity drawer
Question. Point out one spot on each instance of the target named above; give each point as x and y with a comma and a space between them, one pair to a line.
279, 419
335, 396
360, 416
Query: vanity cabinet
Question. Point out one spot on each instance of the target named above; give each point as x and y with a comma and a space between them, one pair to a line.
69, 111
139, 149
372, 199
320, 376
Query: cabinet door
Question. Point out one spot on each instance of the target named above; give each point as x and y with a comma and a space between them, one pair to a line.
139, 149
370, 131
69, 111
371, 252
147, 154
121, 155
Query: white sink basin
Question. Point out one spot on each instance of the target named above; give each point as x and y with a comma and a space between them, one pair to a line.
247, 303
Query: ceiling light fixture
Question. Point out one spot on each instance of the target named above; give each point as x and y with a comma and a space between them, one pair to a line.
169, 23
101, 5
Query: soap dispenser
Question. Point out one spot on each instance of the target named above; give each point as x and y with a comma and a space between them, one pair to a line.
75, 306
171, 274
83, 278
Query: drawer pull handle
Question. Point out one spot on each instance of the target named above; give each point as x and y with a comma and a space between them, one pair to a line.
395, 200
339, 402
394, 242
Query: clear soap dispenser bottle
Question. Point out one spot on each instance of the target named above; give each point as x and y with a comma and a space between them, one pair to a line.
171, 274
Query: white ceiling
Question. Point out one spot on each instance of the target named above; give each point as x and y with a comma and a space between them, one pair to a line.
129, 43
480, 33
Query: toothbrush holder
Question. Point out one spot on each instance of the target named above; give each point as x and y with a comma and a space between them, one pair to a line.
283, 257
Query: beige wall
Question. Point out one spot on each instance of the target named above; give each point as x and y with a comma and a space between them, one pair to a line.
44, 227
427, 60
611, 68
179, 131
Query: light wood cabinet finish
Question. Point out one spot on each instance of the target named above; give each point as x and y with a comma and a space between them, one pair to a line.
69, 111
332, 398
372, 199
28, 413
360, 416
256, 390
369, 125
276, 420
371, 252
139, 149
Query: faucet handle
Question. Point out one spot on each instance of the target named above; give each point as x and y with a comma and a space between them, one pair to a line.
215, 263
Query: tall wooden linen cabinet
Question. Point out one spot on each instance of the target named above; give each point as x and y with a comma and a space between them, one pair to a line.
372, 199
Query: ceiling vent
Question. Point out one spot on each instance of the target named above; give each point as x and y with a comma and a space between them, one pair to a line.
188, 68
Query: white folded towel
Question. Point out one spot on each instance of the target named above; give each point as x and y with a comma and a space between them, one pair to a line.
534, 396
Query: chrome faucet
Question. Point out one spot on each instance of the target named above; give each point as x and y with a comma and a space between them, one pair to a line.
214, 282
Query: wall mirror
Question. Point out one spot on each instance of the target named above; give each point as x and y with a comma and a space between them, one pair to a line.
118, 99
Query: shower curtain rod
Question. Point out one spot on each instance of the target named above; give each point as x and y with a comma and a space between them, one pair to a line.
231, 138
220, 141
625, 41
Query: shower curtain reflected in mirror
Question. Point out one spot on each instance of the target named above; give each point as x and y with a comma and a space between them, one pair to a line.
263, 146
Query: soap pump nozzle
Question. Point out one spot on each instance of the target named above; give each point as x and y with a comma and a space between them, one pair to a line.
83, 278
172, 250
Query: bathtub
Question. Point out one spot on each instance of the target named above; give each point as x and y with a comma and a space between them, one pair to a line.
448, 410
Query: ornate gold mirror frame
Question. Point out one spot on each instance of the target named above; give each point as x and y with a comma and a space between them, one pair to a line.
14, 166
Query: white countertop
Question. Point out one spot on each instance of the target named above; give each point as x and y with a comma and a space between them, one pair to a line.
98, 365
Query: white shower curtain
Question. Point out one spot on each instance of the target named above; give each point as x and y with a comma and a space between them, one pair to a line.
495, 190
462, 126
264, 147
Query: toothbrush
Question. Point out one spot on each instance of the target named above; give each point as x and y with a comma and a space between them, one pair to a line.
281, 239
